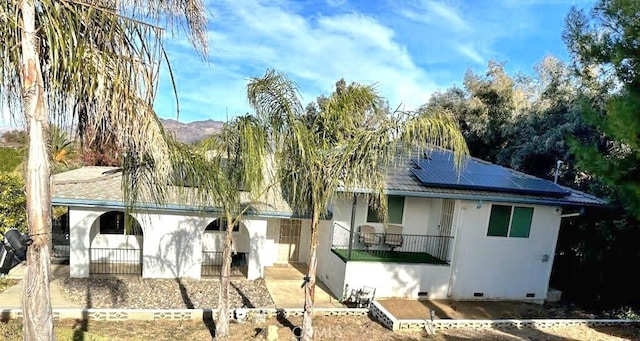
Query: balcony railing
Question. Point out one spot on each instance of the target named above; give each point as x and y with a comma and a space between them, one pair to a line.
390, 247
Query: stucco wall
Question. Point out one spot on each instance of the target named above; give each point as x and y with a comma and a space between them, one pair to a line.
499, 267
398, 279
172, 243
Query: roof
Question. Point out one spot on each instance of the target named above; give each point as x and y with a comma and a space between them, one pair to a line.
402, 180
102, 186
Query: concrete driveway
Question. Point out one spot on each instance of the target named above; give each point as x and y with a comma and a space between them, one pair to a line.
284, 284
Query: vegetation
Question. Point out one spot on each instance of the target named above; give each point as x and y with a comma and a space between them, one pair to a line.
13, 209
62, 57
10, 158
236, 171
347, 142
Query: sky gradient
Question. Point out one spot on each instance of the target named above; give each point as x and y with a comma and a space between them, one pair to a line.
408, 49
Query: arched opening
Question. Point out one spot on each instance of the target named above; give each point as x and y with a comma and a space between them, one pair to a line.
213, 239
116, 244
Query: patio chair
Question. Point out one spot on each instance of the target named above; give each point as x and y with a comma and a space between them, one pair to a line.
393, 236
368, 236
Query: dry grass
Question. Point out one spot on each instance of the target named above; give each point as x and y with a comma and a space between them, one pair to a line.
326, 328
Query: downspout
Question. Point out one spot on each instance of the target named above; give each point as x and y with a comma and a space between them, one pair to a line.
353, 224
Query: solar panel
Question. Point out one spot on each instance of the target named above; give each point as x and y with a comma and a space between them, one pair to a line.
437, 170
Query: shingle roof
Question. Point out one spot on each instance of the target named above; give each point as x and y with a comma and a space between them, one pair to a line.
102, 186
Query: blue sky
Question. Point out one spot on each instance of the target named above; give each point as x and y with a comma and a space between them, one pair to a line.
408, 48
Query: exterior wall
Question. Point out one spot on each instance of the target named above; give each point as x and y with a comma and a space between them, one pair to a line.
305, 240
417, 217
499, 267
398, 279
271, 242
331, 269
421, 216
80, 222
258, 256
172, 243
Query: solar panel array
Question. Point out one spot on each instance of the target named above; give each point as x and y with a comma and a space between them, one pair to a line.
437, 170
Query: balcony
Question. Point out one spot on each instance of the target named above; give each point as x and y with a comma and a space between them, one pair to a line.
365, 245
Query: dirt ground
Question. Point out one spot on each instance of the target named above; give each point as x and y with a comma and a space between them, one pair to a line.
479, 310
326, 328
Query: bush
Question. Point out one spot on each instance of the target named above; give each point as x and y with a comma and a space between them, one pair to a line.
13, 202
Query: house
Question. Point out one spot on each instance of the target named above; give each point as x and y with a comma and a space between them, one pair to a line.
167, 241
486, 233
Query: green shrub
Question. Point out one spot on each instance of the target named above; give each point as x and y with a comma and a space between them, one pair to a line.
13, 202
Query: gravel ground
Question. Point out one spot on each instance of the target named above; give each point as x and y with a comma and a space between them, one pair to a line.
141, 293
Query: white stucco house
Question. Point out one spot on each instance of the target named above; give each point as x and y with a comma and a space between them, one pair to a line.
487, 233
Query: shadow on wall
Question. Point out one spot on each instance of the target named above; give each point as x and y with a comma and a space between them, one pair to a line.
177, 251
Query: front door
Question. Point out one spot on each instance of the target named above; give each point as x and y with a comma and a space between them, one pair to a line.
446, 221
289, 240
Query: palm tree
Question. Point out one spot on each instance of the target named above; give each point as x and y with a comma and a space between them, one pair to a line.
89, 59
237, 157
347, 143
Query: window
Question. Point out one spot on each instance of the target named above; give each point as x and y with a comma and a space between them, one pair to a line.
115, 222
221, 225
511, 221
396, 211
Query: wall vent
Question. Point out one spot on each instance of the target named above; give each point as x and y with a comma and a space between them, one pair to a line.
530, 294
478, 294
423, 294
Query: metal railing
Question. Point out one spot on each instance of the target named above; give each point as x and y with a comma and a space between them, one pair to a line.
115, 261
212, 264
390, 247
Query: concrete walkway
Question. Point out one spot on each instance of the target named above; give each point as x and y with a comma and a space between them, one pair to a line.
12, 297
284, 283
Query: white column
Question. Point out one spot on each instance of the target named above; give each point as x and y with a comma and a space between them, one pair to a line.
80, 222
257, 235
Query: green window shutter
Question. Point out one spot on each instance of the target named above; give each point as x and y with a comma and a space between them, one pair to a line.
499, 221
396, 209
521, 222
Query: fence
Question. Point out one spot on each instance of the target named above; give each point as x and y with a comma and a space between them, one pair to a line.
212, 264
116, 261
390, 246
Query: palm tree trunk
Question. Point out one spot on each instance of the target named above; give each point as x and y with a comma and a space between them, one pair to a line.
36, 299
222, 324
310, 287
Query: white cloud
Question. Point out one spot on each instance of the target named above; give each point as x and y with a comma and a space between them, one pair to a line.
250, 37
447, 13
471, 53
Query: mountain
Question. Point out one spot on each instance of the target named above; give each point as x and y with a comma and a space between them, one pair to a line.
192, 131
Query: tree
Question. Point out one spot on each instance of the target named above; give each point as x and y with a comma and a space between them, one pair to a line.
339, 146
605, 48
89, 58
236, 172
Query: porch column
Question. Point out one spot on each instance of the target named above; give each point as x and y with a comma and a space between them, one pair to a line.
257, 236
80, 223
